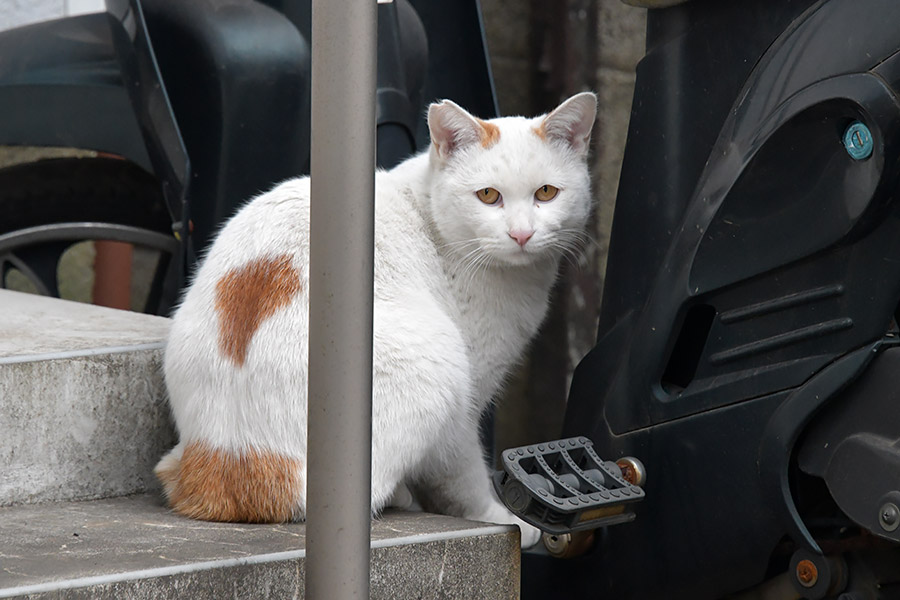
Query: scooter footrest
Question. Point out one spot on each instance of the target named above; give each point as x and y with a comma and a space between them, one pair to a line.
563, 486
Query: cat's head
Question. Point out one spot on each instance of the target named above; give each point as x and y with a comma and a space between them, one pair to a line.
512, 189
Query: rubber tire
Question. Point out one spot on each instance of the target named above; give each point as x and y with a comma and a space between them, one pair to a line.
61, 190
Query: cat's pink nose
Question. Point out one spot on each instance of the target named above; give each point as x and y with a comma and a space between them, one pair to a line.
521, 235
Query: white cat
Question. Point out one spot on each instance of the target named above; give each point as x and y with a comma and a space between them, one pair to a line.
468, 239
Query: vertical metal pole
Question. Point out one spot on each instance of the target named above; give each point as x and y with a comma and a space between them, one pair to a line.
340, 298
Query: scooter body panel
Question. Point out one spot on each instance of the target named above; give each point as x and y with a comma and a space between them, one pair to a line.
753, 274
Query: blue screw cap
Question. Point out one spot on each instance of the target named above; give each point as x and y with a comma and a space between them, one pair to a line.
858, 141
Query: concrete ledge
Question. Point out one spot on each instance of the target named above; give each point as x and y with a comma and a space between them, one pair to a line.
82, 400
134, 548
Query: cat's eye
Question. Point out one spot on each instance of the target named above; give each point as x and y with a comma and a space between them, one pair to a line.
545, 193
488, 195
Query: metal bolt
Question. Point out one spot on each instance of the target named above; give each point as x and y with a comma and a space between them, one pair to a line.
568, 545
889, 516
807, 573
556, 543
632, 470
858, 141
516, 496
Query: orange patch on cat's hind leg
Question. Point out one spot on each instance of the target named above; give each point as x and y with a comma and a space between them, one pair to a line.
253, 486
247, 296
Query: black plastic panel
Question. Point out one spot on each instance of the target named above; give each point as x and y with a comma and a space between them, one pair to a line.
61, 80
855, 446
225, 87
737, 194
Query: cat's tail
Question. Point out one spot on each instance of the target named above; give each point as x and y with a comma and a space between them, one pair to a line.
252, 486
168, 471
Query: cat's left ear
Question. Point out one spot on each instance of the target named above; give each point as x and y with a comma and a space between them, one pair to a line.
571, 122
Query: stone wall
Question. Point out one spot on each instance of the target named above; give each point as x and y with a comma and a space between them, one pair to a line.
542, 52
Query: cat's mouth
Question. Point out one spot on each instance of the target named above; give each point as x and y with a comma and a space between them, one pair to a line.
521, 255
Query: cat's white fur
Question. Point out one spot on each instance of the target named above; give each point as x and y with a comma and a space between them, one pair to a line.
457, 300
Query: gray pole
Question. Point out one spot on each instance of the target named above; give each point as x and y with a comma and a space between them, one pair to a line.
342, 218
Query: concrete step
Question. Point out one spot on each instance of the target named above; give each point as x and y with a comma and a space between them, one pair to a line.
82, 401
83, 421
133, 547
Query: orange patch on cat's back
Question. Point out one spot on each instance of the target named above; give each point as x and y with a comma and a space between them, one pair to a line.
490, 133
248, 295
254, 486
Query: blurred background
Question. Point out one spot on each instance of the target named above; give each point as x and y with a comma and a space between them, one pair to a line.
541, 52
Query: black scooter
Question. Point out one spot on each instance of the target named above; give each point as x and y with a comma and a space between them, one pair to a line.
189, 109
747, 347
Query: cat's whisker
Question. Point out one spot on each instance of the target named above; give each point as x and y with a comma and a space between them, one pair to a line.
475, 252
561, 251
572, 260
576, 241
571, 245
476, 265
576, 234
464, 262
462, 267
458, 244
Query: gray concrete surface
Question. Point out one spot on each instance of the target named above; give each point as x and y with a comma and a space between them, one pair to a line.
134, 548
82, 401
40, 328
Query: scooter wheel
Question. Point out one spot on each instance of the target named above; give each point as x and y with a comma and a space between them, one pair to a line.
50, 205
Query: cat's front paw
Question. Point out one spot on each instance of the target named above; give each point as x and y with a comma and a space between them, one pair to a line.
531, 535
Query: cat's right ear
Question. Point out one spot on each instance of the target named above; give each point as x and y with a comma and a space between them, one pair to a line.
452, 128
